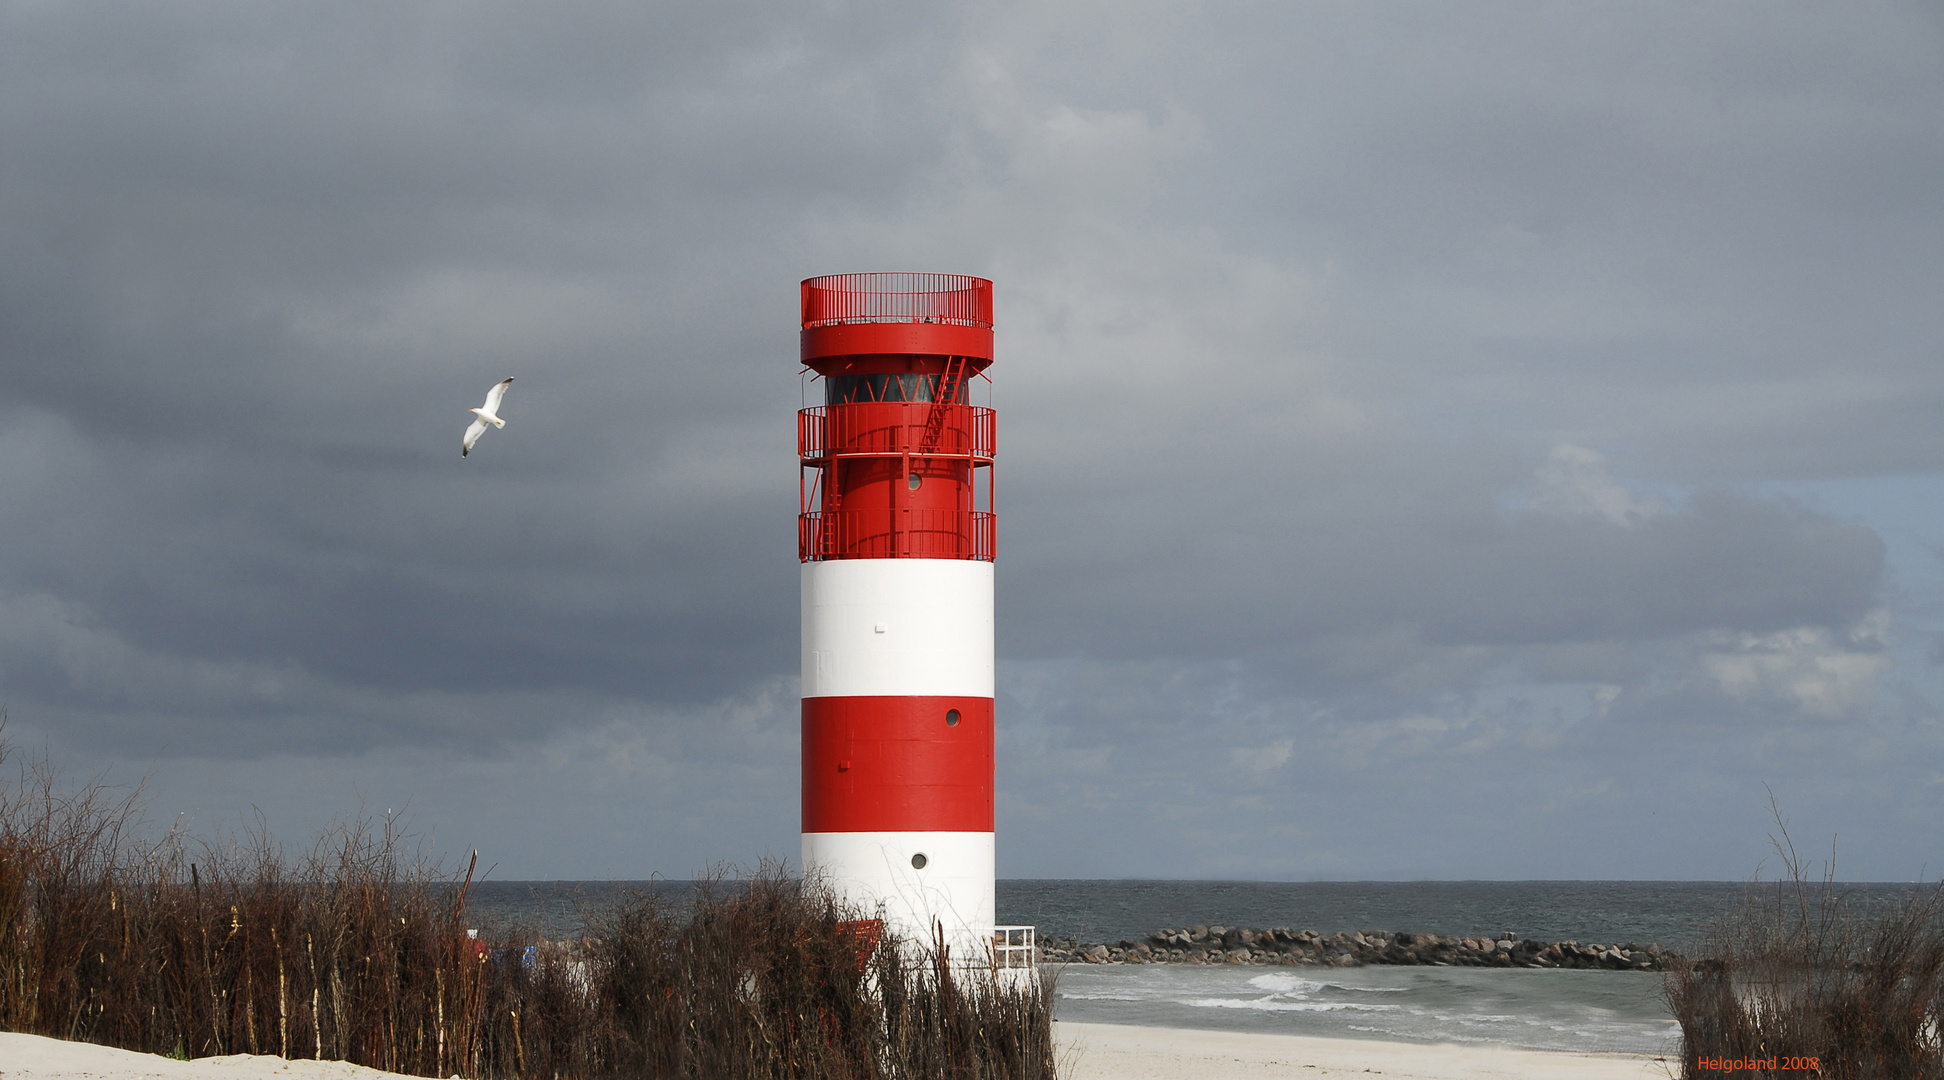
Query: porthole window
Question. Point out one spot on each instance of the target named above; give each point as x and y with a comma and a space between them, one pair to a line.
918, 861
913, 482
951, 718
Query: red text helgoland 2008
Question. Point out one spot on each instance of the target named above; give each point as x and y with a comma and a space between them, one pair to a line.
1750, 1064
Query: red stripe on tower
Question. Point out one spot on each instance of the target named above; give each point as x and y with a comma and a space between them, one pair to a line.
896, 537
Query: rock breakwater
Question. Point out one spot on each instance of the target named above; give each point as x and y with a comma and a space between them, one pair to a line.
1280, 945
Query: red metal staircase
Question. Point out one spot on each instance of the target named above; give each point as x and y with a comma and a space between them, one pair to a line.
943, 398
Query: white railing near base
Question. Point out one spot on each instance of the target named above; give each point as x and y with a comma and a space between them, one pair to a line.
1013, 947
1010, 953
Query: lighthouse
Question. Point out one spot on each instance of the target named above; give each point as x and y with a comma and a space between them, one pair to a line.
896, 538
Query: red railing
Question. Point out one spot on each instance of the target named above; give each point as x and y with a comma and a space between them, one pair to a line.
905, 533
896, 428
956, 299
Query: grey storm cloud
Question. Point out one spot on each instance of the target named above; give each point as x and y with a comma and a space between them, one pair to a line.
1382, 392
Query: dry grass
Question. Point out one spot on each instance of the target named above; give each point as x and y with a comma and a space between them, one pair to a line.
358, 951
1806, 970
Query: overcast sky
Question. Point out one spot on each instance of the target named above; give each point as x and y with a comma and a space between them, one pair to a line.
1437, 441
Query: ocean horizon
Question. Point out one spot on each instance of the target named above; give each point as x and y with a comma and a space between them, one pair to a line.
1673, 914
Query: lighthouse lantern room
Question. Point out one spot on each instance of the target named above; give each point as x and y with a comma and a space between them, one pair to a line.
896, 537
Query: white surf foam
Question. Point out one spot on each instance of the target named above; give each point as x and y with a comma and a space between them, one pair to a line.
1273, 1005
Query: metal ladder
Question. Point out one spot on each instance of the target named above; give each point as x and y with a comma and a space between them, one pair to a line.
942, 400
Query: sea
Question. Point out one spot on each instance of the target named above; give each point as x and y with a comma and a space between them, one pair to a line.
1534, 1009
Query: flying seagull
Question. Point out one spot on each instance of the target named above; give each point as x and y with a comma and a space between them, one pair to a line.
487, 414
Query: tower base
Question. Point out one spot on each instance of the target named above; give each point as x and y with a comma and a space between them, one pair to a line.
951, 892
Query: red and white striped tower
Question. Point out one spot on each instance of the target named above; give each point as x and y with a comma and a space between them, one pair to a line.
896, 539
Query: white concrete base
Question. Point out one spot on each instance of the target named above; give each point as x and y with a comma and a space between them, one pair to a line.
954, 889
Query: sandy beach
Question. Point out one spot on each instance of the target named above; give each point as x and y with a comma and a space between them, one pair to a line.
1087, 1051
1117, 1052
31, 1057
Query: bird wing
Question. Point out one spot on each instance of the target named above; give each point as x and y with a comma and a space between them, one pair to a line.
473, 432
494, 395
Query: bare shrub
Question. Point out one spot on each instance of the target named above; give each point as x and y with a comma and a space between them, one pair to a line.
1805, 973
770, 976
